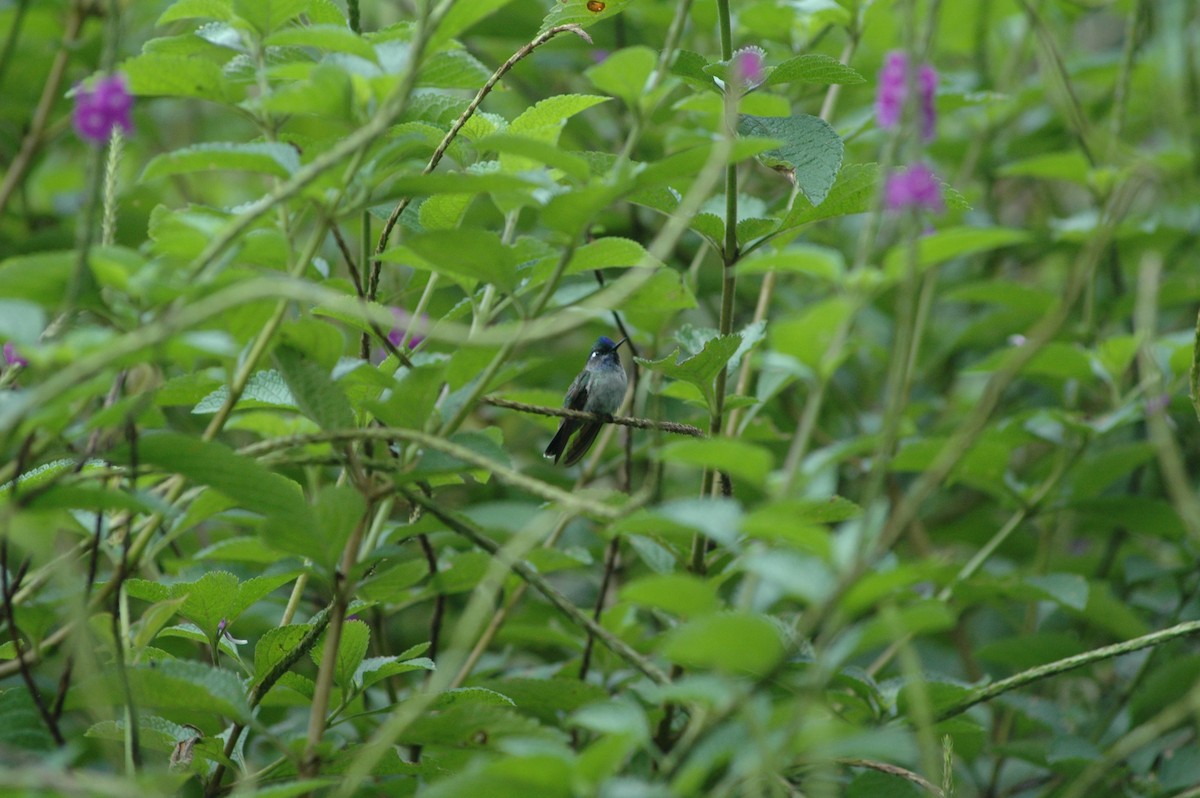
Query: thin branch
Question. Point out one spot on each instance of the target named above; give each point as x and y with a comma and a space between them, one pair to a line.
894, 770
988, 692
623, 421
505, 474
451, 134
610, 565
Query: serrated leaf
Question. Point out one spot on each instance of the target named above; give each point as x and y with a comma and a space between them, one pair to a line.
268, 15
276, 644
264, 389
279, 160
219, 10
545, 119
811, 151
172, 685
701, 369
535, 151
691, 67
852, 192
813, 68
331, 38
317, 395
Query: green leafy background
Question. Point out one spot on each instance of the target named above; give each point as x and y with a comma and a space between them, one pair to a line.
911, 507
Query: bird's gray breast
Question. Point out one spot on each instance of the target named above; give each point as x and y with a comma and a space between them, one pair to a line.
606, 389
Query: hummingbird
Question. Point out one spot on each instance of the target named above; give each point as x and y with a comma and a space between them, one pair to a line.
599, 388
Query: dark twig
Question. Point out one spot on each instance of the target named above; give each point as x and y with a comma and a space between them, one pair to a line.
461, 525
611, 554
7, 591
624, 421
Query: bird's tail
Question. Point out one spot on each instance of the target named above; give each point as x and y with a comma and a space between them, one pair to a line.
583, 442
559, 441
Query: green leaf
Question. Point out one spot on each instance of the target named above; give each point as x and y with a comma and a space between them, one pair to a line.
808, 337
280, 160
699, 370
954, 242
605, 253
337, 509
536, 152
352, 647
734, 642
208, 600
852, 192
545, 120
691, 67
317, 395
264, 389
212, 464
219, 10
811, 150
624, 74
684, 595
20, 321
813, 68
331, 38
467, 255
741, 460
1069, 590
464, 182
42, 278
461, 16
824, 263
1071, 165
171, 685
21, 725
576, 12
155, 75
267, 15
275, 645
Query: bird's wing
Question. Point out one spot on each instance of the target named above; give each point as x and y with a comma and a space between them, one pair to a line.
577, 394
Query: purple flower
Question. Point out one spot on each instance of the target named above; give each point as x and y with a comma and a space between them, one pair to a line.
748, 66
99, 109
893, 91
396, 334
12, 357
915, 187
889, 102
599, 56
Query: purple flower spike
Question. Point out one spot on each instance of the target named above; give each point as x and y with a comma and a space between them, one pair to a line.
893, 92
889, 103
396, 334
99, 109
915, 187
12, 357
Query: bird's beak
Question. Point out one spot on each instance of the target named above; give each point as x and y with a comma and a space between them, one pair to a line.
618, 345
